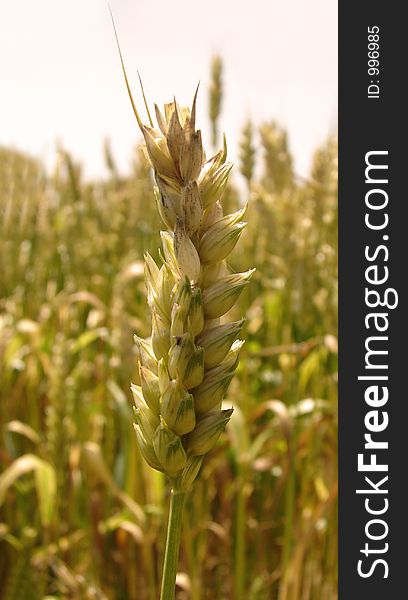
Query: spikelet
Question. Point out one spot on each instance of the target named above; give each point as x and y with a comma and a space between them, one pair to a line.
187, 364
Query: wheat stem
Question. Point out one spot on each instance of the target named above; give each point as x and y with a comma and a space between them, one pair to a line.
172, 546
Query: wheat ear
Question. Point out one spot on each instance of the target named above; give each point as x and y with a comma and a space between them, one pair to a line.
187, 364
185, 367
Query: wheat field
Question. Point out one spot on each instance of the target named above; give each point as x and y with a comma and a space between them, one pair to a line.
81, 514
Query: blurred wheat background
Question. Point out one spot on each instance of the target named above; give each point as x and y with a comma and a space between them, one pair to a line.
81, 514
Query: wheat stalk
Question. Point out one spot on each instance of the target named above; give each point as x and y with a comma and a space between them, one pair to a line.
186, 365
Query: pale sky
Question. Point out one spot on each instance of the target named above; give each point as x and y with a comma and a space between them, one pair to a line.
60, 77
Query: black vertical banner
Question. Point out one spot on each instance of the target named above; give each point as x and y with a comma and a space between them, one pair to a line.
373, 273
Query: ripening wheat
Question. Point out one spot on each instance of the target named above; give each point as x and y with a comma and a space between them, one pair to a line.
187, 364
